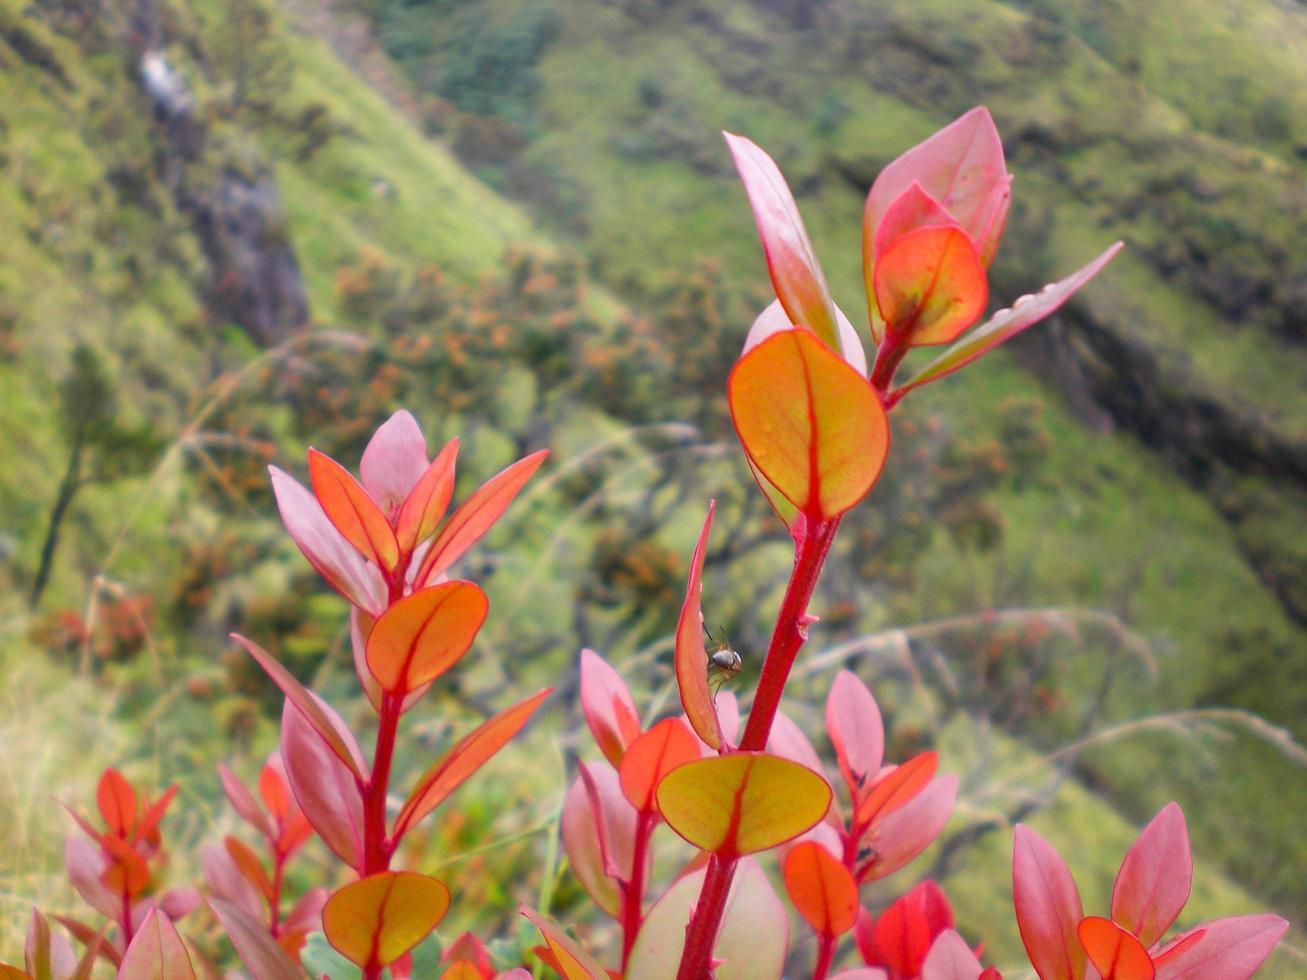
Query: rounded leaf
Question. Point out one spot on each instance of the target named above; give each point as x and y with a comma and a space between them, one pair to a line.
821, 888
1115, 953
812, 425
378, 919
424, 634
742, 803
652, 756
930, 286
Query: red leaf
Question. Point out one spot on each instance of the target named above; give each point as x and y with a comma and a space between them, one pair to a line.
1115, 953
821, 888
651, 757
127, 871
1048, 908
608, 707
425, 506
907, 930
307, 704
791, 261
273, 788
117, 801
393, 461
156, 952
1155, 878
476, 516
813, 426
1233, 948
260, 953
147, 827
465, 758
356, 515
930, 286
691, 655
1006, 324
897, 788
857, 732
424, 634
325, 788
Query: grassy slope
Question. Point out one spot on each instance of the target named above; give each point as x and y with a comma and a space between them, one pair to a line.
1114, 529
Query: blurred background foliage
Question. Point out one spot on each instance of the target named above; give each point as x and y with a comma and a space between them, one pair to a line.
234, 229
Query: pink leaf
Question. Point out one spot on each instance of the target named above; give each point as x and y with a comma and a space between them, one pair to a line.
1006, 324
86, 864
961, 167
1048, 908
950, 958
316, 713
324, 787
774, 319
156, 953
1155, 878
1230, 949
226, 881
608, 707
306, 915
336, 559
912, 209
856, 730
599, 845
261, 954
902, 835
862, 973
243, 802
47, 954
394, 461
791, 261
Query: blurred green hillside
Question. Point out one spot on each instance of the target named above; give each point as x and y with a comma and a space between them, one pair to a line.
235, 229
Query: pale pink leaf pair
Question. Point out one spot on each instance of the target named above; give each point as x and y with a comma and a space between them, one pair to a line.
751, 942
950, 958
856, 729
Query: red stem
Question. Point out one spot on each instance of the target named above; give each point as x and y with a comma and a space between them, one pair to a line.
127, 918
825, 956
889, 356
633, 890
376, 848
789, 635
701, 934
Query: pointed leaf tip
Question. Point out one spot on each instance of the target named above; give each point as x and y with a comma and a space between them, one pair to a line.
691, 655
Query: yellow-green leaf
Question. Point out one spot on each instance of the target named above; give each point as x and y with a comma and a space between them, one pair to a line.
378, 919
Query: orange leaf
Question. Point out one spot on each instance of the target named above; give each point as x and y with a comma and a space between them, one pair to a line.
248, 864
930, 285
1116, 953
821, 888
573, 962
737, 804
355, 514
651, 757
691, 656
476, 516
812, 425
425, 507
898, 788
117, 801
378, 919
424, 634
465, 758
127, 871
